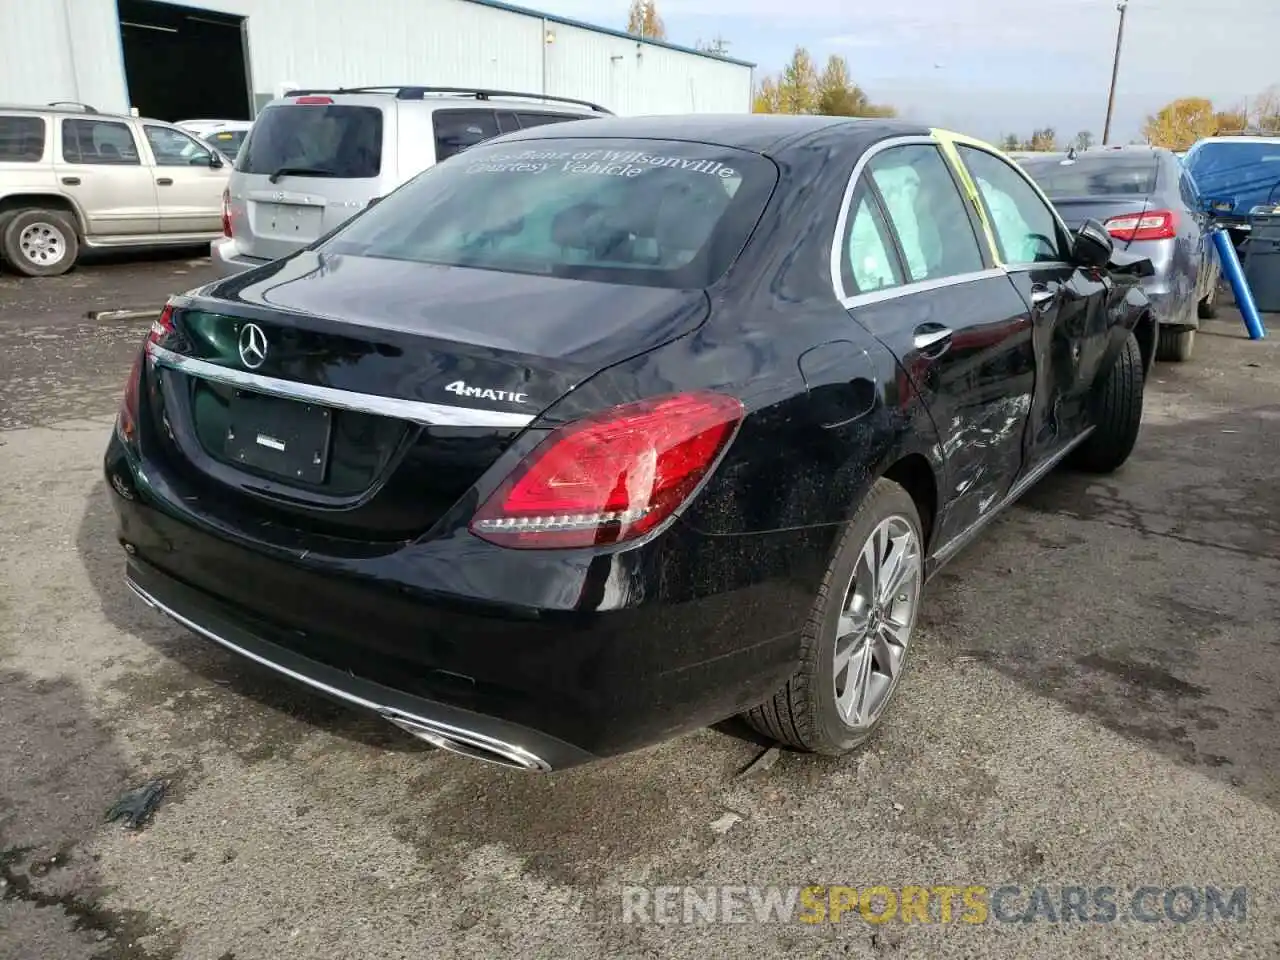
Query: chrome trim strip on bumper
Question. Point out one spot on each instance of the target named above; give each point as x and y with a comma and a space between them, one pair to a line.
443, 735
415, 411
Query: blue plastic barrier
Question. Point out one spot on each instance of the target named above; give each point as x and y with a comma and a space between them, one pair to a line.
1235, 275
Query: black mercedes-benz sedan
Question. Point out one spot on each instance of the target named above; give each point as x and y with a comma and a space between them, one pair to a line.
604, 431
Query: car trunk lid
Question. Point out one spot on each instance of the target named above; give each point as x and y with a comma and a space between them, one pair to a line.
1075, 210
363, 397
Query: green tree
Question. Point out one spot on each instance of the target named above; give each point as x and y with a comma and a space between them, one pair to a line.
643, 20
838, 96
1084, 140
798, 86
1010, 142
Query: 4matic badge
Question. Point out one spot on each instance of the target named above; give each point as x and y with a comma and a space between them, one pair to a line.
484, 393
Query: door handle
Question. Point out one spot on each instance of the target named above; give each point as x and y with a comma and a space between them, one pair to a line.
71, 181
165, 181
1041, 294
930, 335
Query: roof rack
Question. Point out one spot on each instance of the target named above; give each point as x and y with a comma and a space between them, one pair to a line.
72, 103
420, 93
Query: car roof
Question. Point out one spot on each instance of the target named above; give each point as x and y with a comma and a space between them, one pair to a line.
755, 132
449, 97
78, 112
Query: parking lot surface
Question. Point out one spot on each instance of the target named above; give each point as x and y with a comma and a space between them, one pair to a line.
1092, 703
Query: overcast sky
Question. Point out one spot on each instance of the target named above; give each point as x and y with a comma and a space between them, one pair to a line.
988, 67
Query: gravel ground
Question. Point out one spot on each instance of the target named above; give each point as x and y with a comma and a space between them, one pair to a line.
1092, 703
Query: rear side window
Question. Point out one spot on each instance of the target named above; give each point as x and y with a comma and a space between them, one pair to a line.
458, 130
1025, 226
315, 140
646, 212
869, 261
21, 139
1106, 176
98, 141
927, 212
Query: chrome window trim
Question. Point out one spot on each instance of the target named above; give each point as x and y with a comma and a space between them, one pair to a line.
837, 240
415, 411
1030, 181
918, 286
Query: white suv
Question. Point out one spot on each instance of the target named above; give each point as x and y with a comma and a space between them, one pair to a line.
315, 158
71, 178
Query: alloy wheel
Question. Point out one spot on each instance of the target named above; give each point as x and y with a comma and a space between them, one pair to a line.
876, 620
43, 244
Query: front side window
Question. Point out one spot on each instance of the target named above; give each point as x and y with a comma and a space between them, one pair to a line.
98, 141
315, 140
21, 139
648, 212
927, 212
869, 261
458, 130
1025, 227
174, 149
541, 119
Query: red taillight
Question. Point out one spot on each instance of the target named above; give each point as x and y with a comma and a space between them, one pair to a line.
314, 100
226, 212
1151, 225
162, 325
610, 477
127, 420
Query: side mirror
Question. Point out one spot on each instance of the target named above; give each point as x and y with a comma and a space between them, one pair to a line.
1092, 245
215, 160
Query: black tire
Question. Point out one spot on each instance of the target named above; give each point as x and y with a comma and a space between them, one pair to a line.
1207, 309
1176, 346
40, 243
1117, 413
804, 714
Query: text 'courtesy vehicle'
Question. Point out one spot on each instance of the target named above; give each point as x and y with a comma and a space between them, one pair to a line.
603, 432
1149, 204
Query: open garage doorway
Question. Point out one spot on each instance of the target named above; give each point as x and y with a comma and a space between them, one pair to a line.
183, 63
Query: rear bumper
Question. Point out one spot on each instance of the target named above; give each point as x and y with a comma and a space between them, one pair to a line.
438, 723
228, 260
542, 662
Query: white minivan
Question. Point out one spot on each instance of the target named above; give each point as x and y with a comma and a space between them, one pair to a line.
315, 158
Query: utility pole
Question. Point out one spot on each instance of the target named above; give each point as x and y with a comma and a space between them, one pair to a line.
1121, 5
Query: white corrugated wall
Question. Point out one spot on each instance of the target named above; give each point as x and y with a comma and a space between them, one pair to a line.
61, 50
70, 49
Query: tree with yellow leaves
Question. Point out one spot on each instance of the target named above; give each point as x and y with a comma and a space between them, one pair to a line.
1181, 123
643, 20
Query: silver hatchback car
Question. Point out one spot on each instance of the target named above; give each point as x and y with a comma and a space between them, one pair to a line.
315, 158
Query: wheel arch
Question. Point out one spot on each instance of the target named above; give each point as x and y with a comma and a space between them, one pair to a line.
16, 202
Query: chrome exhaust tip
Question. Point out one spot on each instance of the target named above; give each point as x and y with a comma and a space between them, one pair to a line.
468, 743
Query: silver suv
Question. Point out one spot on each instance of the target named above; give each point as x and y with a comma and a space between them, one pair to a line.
316, 158
73, 178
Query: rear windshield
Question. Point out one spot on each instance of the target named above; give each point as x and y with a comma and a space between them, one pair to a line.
318, 140
1095, 176
1241, 167
647, 212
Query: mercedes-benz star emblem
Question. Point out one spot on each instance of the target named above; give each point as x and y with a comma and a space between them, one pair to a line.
253, 346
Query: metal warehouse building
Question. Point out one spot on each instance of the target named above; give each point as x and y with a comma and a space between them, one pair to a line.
225, 58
